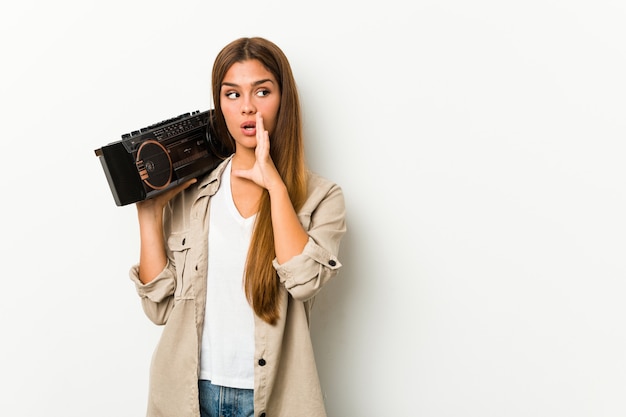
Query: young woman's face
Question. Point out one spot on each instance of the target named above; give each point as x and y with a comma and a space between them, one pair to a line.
248, 87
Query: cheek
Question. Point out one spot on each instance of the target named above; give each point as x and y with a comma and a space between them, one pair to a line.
228, 115
271, 126
227, 110
271, 117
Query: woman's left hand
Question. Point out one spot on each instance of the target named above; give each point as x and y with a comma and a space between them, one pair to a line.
264, 172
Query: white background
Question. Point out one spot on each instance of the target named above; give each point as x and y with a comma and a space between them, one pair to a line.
480, 146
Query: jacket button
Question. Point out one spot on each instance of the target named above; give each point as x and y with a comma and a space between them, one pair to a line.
332, 262
184, 240
262, 362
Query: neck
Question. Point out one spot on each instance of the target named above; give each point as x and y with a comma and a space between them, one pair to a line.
244, 159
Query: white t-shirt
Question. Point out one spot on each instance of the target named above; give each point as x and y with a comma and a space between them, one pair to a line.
227, 353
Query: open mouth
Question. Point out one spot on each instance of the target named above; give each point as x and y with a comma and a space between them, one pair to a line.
249, 126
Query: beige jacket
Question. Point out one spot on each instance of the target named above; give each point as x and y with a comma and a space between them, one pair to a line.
286, 383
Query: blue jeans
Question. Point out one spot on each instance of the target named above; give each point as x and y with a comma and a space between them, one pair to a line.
217, 401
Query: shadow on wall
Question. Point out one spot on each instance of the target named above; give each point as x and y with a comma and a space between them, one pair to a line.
333, 311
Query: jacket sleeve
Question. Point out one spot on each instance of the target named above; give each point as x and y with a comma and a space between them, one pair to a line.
157, 296
323, 215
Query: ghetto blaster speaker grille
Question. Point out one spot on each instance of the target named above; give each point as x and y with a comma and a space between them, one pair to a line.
154, 165
156, 158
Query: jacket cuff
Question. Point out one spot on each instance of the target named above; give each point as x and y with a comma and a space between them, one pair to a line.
302, 268
159, 288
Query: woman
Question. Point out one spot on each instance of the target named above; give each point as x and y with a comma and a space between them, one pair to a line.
230, 262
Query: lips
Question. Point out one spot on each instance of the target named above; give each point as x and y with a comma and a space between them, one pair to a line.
248, 127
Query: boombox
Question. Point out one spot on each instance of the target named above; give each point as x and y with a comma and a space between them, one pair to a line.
154, 159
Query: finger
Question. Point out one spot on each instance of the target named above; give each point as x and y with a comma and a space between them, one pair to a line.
263, 142
259, 123
243, 173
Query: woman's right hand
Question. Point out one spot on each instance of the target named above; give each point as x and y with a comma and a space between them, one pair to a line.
152, 256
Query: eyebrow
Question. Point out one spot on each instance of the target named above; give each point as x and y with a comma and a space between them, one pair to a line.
254, 84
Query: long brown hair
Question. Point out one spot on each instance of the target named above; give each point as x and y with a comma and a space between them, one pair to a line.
261, 282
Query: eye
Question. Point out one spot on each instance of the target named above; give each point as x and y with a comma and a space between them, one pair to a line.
231, 94
263, 92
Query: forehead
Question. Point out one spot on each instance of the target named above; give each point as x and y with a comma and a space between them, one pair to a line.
247, 72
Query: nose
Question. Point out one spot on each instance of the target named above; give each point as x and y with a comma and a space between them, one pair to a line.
247, 107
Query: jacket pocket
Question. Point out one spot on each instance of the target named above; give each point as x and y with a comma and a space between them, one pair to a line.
178, 244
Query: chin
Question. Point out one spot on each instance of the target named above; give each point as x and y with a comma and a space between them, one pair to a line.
247, 144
